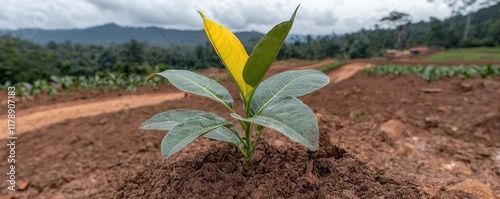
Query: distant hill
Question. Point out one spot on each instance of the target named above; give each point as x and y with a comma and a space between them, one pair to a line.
113, 33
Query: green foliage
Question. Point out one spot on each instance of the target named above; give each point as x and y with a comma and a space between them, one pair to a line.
331, 66
193, 126
431, 73
484, 31
469, 54
289, 116
291, 83
63, 84
265, 52
23, 61
170, 119
273, 103
190, 82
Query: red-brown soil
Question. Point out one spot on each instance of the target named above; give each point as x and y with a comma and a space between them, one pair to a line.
422, 61
285, 172
59, 112
447, 136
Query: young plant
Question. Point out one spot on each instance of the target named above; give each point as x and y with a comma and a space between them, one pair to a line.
271, 103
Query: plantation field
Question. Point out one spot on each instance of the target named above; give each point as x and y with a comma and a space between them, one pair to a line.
381, 135
467, 54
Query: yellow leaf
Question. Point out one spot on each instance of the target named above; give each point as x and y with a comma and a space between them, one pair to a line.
230, 50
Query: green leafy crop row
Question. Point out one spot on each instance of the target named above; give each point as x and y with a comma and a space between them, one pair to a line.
61, 85
431, 73
331, 66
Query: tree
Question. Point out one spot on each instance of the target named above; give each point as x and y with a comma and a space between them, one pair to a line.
134, 52
436, 35
398, 20
467, 7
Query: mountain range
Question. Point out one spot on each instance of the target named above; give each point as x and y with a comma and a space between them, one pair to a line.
113, 33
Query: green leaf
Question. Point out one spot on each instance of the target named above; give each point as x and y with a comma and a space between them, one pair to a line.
183, 134
170, 119
292, 118
225, 135
293, 83
264, 54
190, 82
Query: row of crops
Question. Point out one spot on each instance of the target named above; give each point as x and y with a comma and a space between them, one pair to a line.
431, 73
62, 85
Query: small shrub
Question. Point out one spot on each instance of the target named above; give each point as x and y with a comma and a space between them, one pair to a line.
271, 103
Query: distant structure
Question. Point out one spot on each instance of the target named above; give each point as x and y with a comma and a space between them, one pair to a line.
419, 51
414, 52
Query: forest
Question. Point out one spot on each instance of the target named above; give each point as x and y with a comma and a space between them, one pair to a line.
22, 60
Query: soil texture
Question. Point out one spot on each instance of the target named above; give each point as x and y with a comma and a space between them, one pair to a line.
382, 136
280, 172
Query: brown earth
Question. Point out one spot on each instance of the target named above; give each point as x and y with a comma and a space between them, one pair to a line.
347, 71
29, 120
422, 61
280, 172
447, 137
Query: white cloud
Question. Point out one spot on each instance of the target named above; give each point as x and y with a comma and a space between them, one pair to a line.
313, 17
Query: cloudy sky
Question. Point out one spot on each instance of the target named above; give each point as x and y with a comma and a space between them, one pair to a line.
313, 17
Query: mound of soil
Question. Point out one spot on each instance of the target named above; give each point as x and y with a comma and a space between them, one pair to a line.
278, 172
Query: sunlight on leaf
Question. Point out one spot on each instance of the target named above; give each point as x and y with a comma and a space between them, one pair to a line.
230, 50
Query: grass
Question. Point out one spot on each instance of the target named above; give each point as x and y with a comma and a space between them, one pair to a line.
331, 66
467, 54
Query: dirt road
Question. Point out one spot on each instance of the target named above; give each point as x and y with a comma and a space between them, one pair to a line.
347, 71
42, 116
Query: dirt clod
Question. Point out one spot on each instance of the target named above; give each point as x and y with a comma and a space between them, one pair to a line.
22, 185
431, 122
457, 166
431, 90
474, 188
392, 129
465, 86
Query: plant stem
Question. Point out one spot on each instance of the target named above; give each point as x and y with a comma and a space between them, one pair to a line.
256, 140
248, 126
237, 135
248, 131
242, 152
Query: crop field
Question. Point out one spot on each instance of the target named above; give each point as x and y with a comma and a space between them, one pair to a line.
431, 73
467, 54
57, 86
428, 133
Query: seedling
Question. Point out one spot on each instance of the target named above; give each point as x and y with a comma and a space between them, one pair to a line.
271, 103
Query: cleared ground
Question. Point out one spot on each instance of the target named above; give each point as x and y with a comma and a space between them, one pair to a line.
443, 137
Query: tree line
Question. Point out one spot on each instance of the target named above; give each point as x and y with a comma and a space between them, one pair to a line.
481, 28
